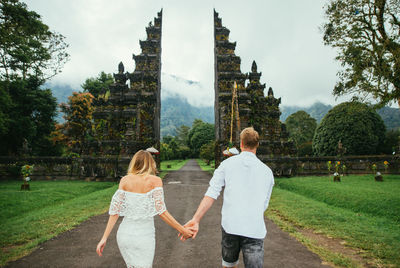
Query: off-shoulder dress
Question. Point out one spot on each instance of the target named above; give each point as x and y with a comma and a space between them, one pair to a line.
136, 234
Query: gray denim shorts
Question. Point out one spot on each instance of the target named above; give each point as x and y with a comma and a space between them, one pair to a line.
252, 250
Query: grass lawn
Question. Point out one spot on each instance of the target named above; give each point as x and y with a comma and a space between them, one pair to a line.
358, 210
362, 213
51, 207
175, 165
203, 164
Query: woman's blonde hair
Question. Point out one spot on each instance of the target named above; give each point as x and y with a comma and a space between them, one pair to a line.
142, 163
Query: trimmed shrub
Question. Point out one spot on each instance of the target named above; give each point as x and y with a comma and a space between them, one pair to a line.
359, 128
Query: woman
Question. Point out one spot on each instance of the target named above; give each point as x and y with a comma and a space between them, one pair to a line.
139, 198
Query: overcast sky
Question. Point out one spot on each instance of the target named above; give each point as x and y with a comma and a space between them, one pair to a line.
282, 36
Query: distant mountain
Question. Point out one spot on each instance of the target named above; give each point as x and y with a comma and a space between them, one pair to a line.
61, 92
391, 117
176, 111
318, 110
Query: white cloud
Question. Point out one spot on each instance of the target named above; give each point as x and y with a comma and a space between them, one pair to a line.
174, 85
282, 36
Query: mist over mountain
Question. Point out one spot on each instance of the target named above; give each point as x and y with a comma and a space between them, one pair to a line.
391, 117
176, 109
61, 93
318, 110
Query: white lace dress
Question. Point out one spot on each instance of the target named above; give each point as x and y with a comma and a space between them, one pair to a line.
136, 235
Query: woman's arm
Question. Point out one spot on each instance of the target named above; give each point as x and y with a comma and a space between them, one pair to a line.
186, 233
110, 225
158, 196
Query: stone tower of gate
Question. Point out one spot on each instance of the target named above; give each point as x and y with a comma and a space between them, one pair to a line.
255, 109
227, 71
127, 118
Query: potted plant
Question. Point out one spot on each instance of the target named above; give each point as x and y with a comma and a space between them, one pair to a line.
336, 175
26, 171
386, 165
329, 166
344, 169
377, 174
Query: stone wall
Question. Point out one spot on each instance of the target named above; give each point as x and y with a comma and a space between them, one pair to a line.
111, 169
63, 168
305, 166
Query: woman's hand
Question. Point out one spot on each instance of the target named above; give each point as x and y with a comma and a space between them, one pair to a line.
185, 234
194, 226
100, 247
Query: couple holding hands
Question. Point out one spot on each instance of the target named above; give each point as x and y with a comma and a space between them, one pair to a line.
247, 184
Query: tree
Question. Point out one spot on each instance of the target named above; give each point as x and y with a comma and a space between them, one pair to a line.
172, 148
356, 125
27, 116
29, 54
5, 109
366, 34
182, 133
301, 127
78, 116
98, 85
392, 142
165, 151
207, 151
27, 46
201, 133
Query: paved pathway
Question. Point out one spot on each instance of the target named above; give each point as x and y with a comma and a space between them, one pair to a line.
184, 190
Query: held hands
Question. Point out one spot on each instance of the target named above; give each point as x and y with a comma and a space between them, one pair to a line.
100, 247
193, 227
185, 234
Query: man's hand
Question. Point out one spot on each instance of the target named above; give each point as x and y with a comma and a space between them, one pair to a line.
193, 226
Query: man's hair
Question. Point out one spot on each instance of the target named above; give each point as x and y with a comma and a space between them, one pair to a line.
249, 137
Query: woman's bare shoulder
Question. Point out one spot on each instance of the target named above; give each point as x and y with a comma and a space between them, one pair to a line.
124, 181
156, 181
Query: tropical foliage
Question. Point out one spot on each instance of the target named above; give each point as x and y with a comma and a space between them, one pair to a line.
357, 126
201, 133
30, 53
98, 85
77, 128
301, 127
365, 33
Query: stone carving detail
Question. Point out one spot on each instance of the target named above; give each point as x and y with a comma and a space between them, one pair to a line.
127, 118
254, 108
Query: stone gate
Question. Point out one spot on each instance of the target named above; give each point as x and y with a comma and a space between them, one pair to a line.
127, 118
255, 109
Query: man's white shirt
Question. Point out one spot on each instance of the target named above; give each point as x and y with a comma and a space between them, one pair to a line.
248, 185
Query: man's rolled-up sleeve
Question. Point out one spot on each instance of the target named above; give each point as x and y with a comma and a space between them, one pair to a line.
216, 183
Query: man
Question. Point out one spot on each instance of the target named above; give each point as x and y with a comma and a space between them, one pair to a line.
248, 185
